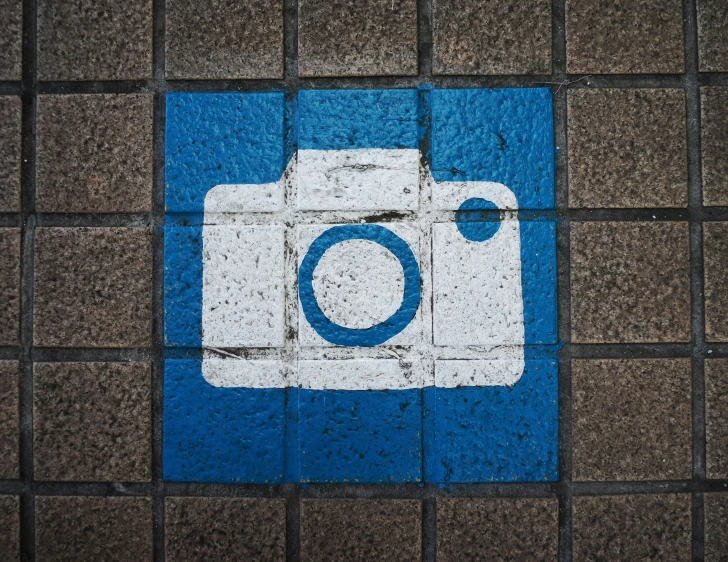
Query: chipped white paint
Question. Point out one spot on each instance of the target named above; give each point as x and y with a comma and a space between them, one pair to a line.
468, 330
358, 374
372, 179
477, 372
242, 286
477, 287
243, 372
383, 274
358, 284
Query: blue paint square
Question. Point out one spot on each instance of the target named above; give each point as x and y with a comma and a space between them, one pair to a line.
267, 379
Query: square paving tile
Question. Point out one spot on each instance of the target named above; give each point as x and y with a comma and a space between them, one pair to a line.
357, 38
715, 252
630, 528
92, 421
716, 414
621, 37
214, 39
632, 419
712, 35
11, 37
713, 143
9, 286
112, 529
93, 287
94, 154
359, 530
497, 529
9, 154
627, 148
491, 37
630, 282
225, 529
716, 527
9, 419
95, 40
9, 528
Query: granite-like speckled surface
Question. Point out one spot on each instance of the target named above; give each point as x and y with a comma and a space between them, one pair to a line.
94, 40
714, 144
712, 35
630, 282
357, 38
497, 529
716, 414
94, 154
112, 529
630, 528
93, 287
9, 154
224, 39
361, 530
11, 36
624, 36
226, 529
631, 419
715, 254
627, 148
9, 528
9, 419
92, 421
491, 37
716, 527
9, 286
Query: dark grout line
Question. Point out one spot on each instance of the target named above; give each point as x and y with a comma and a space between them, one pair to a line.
290, 70
695, 203
559, 70
158, 72
27, 176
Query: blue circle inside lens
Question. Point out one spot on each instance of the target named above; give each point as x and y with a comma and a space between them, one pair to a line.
476, 221
379, 333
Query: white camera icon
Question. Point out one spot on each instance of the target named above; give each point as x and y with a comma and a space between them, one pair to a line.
357, 270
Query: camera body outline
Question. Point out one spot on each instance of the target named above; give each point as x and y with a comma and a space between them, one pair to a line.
463, 319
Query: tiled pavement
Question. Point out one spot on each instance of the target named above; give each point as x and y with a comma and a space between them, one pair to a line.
641, 105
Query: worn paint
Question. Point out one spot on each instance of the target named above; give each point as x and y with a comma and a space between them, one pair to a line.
358, 265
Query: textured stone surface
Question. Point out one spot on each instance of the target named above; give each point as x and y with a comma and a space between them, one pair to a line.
359, 530
497, 529
11, 35
491, 37
93, 287
716, 414
9, 419
92, 421
223, 39
631, 419
630, 282
9, 286
225, 529
9, 528
627, 148
714, 140
357, 38
115, 529
716, 527
715, 251
712, 35
629, 528
624, 37
94, 40
94, 154
9, 153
